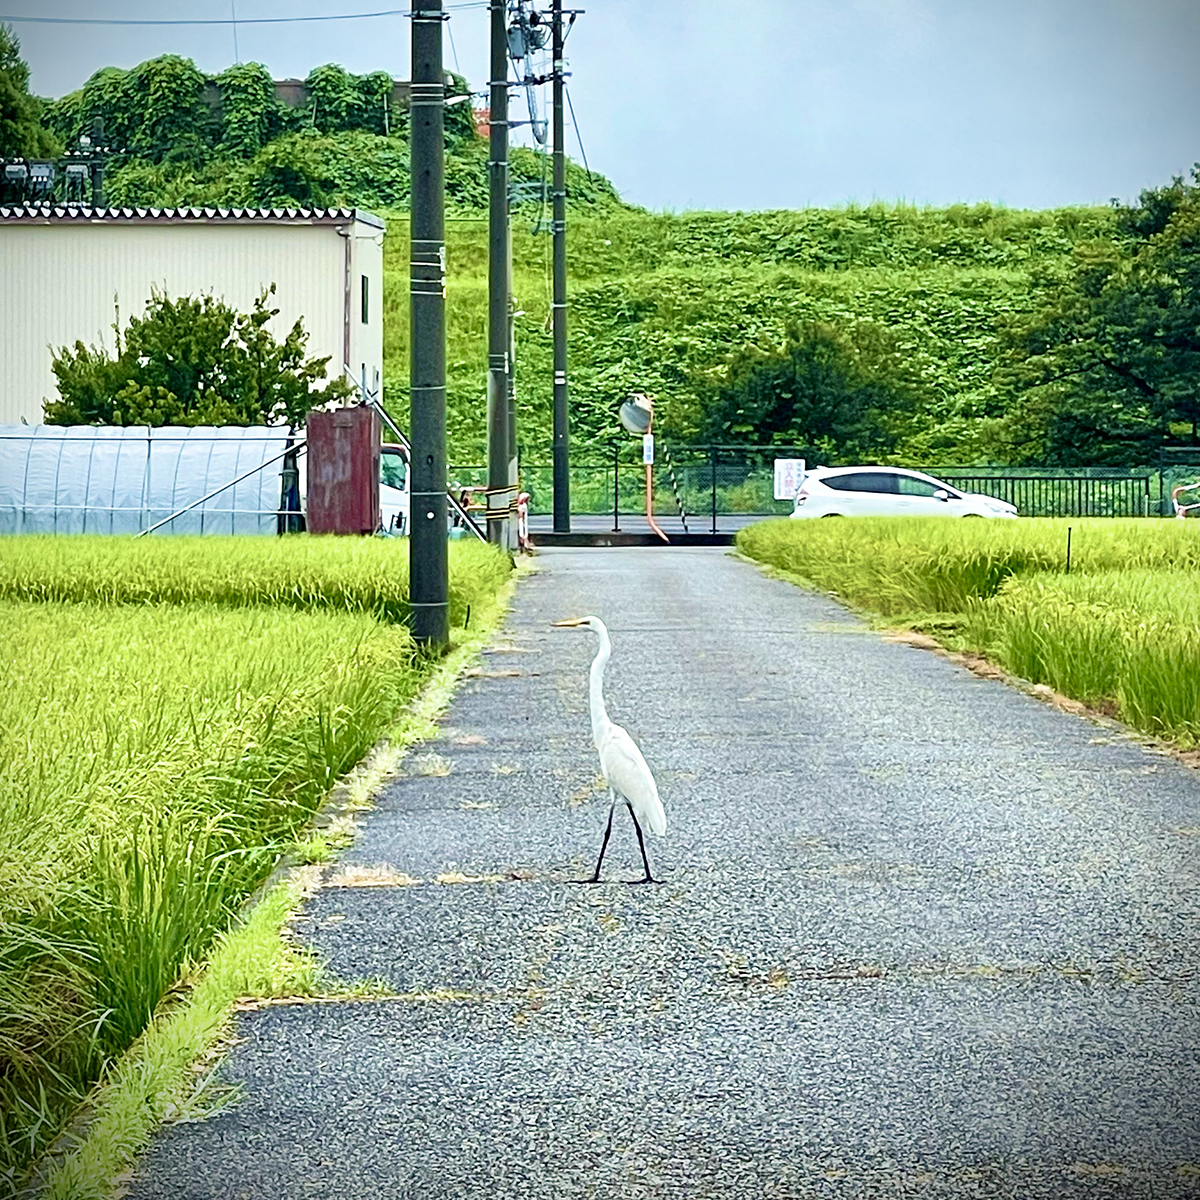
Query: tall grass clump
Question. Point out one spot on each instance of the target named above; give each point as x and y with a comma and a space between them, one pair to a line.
157, 753
1120, 632
1128, 642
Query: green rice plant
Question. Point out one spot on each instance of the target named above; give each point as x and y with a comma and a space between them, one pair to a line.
153, 760
1127, 642
1037, 633
156, 756
364, 575
898, 565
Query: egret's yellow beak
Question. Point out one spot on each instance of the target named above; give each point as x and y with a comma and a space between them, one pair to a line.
570, 623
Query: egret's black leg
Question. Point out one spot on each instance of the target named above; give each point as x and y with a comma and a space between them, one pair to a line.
603, 845
647, 878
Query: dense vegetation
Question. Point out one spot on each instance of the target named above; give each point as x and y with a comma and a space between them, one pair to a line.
22, 132
1107, 367
183, 138
897, 305
171, 714
1121, 632
965, 334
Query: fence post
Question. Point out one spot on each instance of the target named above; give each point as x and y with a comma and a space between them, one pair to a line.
616, 487
712, 454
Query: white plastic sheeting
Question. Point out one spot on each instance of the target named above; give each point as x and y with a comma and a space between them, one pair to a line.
103, 479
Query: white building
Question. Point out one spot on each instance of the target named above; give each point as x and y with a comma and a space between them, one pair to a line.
66, 270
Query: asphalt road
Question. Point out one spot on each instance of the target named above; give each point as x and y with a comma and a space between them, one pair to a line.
919, 934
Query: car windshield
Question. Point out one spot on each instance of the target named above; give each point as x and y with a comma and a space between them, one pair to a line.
392, 469
911, 486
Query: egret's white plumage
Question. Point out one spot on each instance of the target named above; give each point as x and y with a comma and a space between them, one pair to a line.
621, 762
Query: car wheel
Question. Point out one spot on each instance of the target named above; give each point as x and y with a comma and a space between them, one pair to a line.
972, 517
826, 516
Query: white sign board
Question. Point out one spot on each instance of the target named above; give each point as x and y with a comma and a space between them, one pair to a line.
648, 449
789, 475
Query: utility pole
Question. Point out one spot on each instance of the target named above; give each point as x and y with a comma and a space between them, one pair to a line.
499, 364
562, 432
428, 574
99, 152
513, 472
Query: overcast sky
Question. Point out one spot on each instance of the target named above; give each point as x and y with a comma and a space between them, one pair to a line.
690, 104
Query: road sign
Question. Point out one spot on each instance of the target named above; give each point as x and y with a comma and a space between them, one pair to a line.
789, 475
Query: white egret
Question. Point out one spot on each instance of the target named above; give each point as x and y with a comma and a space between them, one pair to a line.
621, 762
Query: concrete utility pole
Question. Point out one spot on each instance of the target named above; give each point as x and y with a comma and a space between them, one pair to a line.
562, 431
428, 573
512, 393
499, 499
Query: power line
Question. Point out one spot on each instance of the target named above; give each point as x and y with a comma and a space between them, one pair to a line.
582, 151
364, 16
453, 48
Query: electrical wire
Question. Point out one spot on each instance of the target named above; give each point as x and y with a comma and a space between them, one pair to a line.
453, 48
582, 151
363, 16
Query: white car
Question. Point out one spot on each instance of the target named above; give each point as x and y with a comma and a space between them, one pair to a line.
889, 492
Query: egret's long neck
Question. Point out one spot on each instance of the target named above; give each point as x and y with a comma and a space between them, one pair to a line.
600, 719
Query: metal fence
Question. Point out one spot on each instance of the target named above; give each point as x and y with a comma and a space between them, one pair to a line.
719, 487
1102, 492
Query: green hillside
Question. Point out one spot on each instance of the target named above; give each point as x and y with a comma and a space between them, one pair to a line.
928, 336
180, 137
661, 303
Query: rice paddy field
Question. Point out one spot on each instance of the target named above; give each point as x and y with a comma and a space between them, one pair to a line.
1119, 630
172, 713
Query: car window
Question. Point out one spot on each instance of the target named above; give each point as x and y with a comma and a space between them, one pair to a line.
392, 469
918, 487
862, 481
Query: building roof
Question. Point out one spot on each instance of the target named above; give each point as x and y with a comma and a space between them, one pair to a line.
51, 214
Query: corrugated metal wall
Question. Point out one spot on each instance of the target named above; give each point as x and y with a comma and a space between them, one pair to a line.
60, 282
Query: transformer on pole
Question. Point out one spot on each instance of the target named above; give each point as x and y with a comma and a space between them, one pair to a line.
428, 567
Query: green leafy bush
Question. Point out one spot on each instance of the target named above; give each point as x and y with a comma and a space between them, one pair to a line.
840, 392
21, 131
193, 361
1106, 369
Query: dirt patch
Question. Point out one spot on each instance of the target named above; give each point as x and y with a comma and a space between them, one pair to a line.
369, 877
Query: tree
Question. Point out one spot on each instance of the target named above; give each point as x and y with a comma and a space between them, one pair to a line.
1108, 368
842, 393
251, 115
21, 131
193, 361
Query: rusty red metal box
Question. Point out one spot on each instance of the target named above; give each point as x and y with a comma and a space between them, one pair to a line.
343, 471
